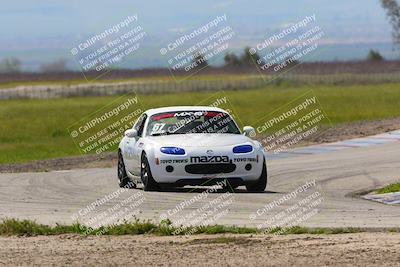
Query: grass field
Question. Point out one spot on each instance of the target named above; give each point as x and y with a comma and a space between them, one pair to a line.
37, 129
392, 188
10, 227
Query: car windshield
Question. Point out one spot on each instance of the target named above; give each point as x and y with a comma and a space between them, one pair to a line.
183, 122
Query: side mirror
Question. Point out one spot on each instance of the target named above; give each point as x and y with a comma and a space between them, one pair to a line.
249, 131
131, 133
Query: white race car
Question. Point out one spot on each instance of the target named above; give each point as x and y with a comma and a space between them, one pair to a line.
178, 146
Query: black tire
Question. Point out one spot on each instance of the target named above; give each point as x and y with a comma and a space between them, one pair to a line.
230, 187
124, 180
149, 184
261, 183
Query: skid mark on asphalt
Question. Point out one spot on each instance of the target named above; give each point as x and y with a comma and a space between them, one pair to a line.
374, 140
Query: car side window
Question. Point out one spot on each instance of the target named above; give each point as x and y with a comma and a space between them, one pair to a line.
139, 125
138, 122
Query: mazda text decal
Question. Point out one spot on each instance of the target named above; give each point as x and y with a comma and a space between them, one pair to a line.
207, 159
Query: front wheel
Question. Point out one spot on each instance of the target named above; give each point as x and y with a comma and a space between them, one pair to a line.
124, 180
145, 174
261, 183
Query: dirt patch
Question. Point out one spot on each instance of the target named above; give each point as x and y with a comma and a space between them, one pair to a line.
363, 249
357, 129
104, 160
337, 133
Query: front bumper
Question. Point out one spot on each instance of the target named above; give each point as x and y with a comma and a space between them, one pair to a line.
197, 166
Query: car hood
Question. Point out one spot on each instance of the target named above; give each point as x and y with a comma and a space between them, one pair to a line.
200, 140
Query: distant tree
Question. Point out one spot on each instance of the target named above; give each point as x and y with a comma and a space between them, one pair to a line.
9, 65
56, 66
393, 13
248, 57
232, 60
374, 55
200, 60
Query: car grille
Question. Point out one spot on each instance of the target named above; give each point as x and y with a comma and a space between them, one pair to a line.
212, 168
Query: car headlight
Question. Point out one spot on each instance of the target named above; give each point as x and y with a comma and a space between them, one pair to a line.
242, 149
173, 150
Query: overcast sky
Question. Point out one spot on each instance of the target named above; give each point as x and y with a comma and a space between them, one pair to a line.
31, 26
68, 17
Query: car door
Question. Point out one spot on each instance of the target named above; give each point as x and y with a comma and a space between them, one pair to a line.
134, 147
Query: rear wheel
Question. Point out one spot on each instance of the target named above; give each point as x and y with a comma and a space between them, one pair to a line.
147, 178
124, 180
261, 183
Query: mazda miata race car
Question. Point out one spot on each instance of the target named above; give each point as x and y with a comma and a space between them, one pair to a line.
193, 145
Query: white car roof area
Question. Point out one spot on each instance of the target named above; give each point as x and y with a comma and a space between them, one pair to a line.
153, 111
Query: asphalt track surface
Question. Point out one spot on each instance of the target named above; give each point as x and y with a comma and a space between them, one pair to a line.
339, 174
